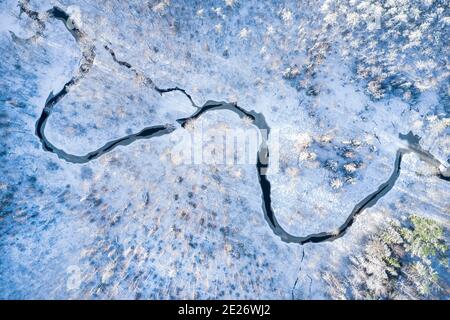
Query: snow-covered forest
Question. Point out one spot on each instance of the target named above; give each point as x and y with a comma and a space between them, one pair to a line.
101, 193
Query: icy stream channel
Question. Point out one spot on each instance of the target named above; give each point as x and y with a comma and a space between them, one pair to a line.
258, 120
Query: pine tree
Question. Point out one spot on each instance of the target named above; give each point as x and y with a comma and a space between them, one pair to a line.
425, 238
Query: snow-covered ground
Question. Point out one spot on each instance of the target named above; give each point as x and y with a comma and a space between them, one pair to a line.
335, 81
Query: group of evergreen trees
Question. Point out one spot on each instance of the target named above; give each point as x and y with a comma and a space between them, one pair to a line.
399, 262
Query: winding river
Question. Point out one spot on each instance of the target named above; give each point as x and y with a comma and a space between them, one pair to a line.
258, 120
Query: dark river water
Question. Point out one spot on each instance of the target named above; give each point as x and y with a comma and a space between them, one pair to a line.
262, 163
